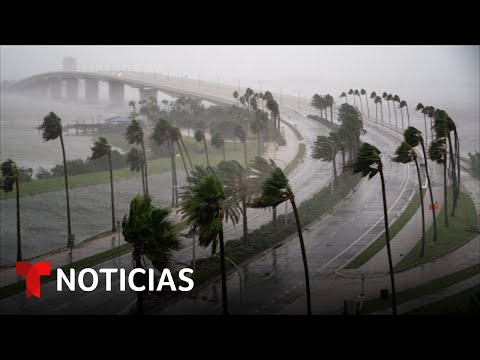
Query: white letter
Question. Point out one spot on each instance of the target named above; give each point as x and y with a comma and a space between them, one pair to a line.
151, 276
186, 279
81, 283
170, 282
108, 277
122, 279
62, 277
130, 280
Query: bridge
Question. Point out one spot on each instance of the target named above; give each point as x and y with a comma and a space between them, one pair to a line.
55, 84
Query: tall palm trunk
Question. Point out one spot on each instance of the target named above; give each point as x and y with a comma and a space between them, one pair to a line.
143, 179
395, 112
426, 137
422, 251
138, 264
245, 151
331, 113
206, 151
445, 186
354, 102
172, 204
183, 158
431, 127
146, 172
111, 191
274, 216
186, 152
387, 237
408, 116
376, 112
381, 109
224, 274
69, 226
19, 239
389, 114
334, 167
430, 190
368, 107
245, 219
454, 174
304, 253
401, 112
361, 105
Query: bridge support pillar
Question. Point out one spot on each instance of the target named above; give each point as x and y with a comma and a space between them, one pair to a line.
116, 92
91, 90
145, 94
72, 89
55, 86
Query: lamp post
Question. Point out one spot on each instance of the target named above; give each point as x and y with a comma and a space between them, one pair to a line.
119, 223
286, 202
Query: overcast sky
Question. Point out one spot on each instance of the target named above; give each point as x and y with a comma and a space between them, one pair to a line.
362, 63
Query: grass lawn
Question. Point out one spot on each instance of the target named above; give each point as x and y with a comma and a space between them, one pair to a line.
458, 232
428, 288
157, 166
380, 243
465, 302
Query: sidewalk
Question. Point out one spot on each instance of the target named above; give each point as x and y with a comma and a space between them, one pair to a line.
431, 298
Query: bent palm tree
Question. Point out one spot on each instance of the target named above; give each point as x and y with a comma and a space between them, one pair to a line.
218, 142
344, 94
205, 206
421, 108
137, 163
438, 152
10, 176
386, 98
200, 136
368, 162
395, 99
363, 92
373, 96
151, 232
101, 148
51, 130
134, 135
406, 154
242, 135
413, 137
275, 190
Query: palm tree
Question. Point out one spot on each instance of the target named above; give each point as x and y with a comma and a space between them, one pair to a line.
176, 136
373, 96
406, 154
401, 111
350, 92
395, 99
260, 170
329, 102
235, 95
101, 148
134, 135
132, 104
325, 149
276, 190
151, 232
344, 94
137, 163
240, 133
205, 206
378, 100
438, 152
363, 92
422, 108
359, 98
413, 137
390, 98
368, 162
10, 176
165, 104
403, 104
162, 134
51, 130
236, 180
200, 136
218, 142
385, 97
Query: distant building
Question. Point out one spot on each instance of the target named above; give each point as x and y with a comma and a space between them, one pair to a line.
117, 120
69, 63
